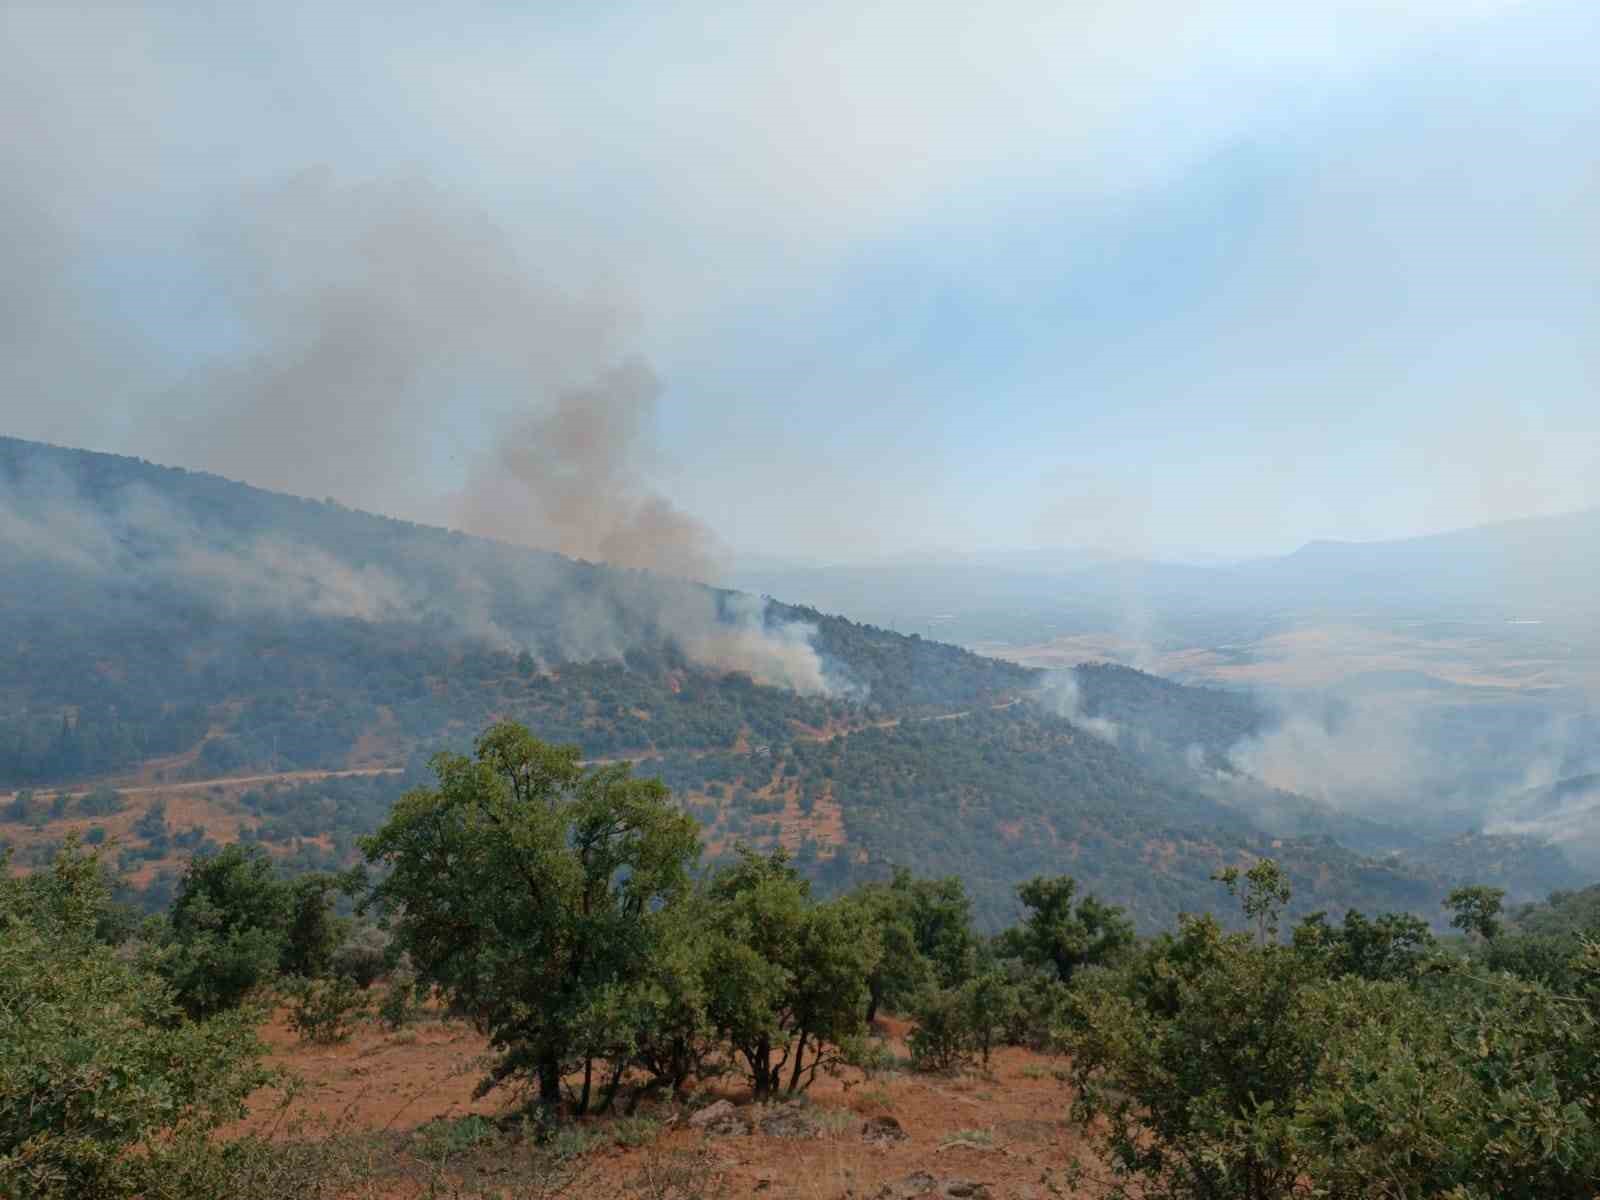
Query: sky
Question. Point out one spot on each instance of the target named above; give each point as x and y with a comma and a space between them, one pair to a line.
839, 281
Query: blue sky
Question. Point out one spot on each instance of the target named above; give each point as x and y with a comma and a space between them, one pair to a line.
1153, 277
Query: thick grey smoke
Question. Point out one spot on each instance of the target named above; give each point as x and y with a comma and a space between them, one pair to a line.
374, 328
1370, 760
385, 321
568, 477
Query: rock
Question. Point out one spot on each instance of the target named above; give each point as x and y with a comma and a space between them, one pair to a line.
922, 1186
910, 1188
791, 1120
883, 1130
720, 1119
710, 1113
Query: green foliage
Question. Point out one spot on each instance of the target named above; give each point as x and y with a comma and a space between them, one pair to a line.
1484, 1088
1391, 946
1229, 1065
549, 912
1263, 892
326, 1010
101, 802
991, 1002
924, 929
1196, 1073
363, 955
312, 933
674, 1034
941, 1041
1062, 936
788, 976
955, 1025
399, 1000
103, 1088
1476, 910
227, 928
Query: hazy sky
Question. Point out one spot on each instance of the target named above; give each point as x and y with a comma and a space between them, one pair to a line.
1152, 276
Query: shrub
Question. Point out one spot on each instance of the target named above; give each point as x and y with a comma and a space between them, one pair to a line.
363, 955
104, 1089
326, 1010
942, 1040
398, 1004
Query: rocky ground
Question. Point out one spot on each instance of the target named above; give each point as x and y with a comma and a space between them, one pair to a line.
402, 1103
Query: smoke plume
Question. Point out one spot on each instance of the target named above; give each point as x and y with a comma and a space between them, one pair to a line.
568, 477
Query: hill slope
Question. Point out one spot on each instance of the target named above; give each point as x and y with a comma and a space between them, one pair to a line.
194, 627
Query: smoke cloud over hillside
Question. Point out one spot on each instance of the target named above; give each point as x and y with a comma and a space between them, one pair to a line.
379, 318
146, 542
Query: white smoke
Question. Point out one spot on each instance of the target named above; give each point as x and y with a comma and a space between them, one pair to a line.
1061, 695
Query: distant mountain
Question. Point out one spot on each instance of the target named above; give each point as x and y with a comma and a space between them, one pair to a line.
1540, 567
188, 627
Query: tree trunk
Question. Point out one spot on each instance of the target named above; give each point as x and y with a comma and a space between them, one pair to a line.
799, 1057
588, 1074
612, 1084
549, 1081
761, 1069
873, 997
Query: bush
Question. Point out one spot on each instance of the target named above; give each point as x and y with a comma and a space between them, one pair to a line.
362, 956
398, 1004
942, 1040
104, 1090
228, 928
326, 1010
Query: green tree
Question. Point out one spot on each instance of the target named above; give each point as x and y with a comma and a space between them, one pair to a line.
228, 926
1190, 1077
104, 1089
312, 931
1389, 946
531, 892
788, 976
1467, 1088
941, 919
902, 970
1263, 892
1476, 910
1062, 936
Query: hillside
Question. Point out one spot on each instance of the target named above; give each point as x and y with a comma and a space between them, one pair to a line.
165, 625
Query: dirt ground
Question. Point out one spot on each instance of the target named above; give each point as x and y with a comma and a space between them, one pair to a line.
895, 1135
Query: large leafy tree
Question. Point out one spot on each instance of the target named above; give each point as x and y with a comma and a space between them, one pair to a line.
531, 891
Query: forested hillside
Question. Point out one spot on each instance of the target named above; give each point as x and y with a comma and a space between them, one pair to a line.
162, 626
